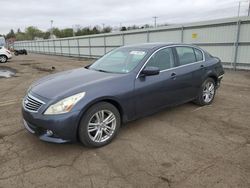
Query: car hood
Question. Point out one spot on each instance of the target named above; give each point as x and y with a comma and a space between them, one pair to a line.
68, 82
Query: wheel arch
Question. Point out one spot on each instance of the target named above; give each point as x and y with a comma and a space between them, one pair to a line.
110, 100
214, 77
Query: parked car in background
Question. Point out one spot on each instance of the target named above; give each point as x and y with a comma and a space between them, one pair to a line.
20, 52
2, 41
5, 54
89, 104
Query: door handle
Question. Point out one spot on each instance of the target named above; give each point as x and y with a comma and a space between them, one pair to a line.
173, 75
202, 66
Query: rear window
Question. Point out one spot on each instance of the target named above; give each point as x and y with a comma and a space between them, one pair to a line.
198, 54
186, 55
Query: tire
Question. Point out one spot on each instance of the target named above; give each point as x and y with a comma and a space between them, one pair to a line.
93, 131
3, 58
207, 93
16, 53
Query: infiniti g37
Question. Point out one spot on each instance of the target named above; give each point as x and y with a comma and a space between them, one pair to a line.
89, 104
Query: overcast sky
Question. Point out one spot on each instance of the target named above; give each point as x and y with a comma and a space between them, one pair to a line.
22, 13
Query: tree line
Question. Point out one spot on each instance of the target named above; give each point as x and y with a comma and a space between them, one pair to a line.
32, 33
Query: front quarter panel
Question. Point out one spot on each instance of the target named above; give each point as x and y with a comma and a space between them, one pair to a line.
119, 90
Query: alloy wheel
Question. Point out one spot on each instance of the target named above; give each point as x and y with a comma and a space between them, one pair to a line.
208, 92
3, 59
101, 126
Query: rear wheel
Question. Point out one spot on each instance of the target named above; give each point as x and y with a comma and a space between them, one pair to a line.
3, 59
206, 93
99, 125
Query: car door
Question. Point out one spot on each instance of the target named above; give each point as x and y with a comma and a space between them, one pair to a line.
157, 91
189, 71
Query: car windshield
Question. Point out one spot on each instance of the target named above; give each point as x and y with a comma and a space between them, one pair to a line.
121, 60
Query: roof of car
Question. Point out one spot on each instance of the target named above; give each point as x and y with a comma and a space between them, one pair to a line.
149, 46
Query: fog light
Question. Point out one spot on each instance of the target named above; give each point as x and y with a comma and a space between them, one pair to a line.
49, 132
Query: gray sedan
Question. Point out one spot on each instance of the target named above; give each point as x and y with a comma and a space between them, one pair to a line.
89, 104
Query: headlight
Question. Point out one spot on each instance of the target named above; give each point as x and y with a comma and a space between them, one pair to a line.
64, 105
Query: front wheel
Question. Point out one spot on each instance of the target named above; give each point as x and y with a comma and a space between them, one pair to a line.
206, 93
3, 59
99, 125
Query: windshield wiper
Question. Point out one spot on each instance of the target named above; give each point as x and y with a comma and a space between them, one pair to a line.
103, 71
100, 70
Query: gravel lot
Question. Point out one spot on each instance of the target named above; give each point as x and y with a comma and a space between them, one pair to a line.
185, 146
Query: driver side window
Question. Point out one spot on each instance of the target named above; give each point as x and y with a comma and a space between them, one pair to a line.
162, 59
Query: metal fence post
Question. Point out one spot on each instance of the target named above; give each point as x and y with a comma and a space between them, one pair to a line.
49, 47
148, 36
37, 47
123, 39
61, 47
104, 41
90, 54
78, 47
69, 47
182, 34
43, 47
236, 44
54, 44
38, 44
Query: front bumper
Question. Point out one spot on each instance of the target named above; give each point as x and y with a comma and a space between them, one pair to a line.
52, 128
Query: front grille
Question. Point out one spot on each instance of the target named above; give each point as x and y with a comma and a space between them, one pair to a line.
32, 104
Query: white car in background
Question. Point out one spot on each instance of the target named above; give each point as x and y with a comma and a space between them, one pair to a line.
5, 54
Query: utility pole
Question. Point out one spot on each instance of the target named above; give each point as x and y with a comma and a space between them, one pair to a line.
155, 17
51, 28
248, 13
239, 6
239, 9
73, 30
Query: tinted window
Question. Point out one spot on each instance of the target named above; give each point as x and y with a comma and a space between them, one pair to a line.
186, 55
162, 59
198, 54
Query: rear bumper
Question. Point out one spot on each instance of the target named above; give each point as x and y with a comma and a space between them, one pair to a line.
219, 80
56, 128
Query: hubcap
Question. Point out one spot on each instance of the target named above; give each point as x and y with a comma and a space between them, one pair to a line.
208, 92
101, 126
2, 59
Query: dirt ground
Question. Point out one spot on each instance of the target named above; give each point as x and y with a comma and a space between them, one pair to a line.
186, 146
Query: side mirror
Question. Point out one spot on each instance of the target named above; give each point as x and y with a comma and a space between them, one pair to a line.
150, 71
